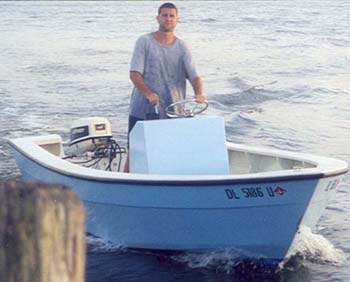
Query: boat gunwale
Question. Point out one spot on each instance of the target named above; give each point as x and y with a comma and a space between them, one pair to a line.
174, 180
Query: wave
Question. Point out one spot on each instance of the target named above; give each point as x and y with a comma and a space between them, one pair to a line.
209, 20
311, 247
308, 248
245, 93
98, 245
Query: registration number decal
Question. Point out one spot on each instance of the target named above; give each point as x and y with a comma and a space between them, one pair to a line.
254, 192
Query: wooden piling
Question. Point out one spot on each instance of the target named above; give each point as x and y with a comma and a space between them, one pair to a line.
42, 233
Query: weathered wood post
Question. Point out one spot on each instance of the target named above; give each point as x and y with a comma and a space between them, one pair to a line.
42, 233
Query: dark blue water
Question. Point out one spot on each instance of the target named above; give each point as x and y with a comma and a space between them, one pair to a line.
161, 268
277, 71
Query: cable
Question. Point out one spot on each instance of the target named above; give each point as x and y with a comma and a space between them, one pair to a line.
109, 150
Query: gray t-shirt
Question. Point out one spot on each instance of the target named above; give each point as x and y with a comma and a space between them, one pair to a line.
164, 70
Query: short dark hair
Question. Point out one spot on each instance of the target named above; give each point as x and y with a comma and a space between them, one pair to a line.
167, 5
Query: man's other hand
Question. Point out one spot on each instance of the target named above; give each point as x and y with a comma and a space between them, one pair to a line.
153, 99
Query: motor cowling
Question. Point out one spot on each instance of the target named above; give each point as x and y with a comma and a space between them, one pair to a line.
88, 133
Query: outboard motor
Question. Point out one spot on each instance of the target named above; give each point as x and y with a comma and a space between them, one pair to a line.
88, 133
91, 145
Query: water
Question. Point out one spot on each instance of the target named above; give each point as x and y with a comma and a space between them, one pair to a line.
278, 71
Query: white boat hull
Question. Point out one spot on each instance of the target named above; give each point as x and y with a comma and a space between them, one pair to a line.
257, 214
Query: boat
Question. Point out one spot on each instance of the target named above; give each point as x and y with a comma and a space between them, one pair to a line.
188, 189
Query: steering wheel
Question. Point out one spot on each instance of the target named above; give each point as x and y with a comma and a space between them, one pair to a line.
186, 108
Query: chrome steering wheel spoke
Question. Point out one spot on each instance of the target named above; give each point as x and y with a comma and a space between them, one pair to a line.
186, 108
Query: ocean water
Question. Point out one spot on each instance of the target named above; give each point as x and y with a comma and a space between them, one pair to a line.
277, 71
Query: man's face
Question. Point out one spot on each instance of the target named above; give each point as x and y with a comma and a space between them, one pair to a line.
167, 19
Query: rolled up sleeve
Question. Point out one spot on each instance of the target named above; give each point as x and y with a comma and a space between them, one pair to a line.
189, 66
138, 58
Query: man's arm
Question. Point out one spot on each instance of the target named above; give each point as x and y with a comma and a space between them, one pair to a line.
198, 89
139, 83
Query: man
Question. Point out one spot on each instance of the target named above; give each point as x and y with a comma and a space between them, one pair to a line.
160, 65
